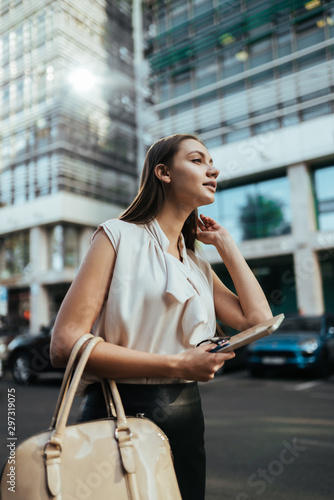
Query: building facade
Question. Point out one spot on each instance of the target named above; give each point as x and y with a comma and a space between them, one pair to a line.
255, 80
68, 142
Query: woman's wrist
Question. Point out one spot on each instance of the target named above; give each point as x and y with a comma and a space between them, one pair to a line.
174, 366
225, 243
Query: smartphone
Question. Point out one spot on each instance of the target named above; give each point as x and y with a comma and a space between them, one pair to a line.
250, 335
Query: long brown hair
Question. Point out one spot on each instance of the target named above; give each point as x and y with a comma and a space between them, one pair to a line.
151, 195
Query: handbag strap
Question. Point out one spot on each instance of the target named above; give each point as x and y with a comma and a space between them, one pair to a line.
68, 374
53, 447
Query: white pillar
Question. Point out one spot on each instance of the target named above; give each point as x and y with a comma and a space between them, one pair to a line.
138, 65
307, 270
39, 300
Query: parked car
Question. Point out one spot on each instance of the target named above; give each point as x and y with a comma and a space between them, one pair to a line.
302, 342
8, 332
29, 356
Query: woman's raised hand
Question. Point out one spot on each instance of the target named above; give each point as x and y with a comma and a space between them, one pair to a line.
209, 231
200, 364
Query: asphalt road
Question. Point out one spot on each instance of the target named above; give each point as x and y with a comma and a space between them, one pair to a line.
266, 439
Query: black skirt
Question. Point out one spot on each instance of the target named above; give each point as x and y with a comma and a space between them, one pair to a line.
177, 410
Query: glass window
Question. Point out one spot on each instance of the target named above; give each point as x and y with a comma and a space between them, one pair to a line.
27, 35
164, 91
213, 142
16, 252
324, 181
71, 246
5, 49
237, 135
258, 210
5, 149
19, 93
41, 29
261, 78
314, 111
179, 14
310, 32
56, 243
20, 184
260, 128
43, 183
31, 180
27, 90
283, 42
6, 188
19, 42
5, 100
312, 59
162, 21
290, 119
260, 52
205, 75
63, 247
231, 64
201, 6
182, 85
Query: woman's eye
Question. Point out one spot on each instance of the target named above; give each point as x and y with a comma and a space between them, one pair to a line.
197, 160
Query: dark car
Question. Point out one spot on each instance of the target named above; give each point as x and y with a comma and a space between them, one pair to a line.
29, 356
302, 342
8, 331
6, 336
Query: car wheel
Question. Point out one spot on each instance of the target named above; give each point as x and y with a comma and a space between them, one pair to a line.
21, 369
256, 372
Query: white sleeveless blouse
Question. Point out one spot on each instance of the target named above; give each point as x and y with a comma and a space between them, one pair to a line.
155, 303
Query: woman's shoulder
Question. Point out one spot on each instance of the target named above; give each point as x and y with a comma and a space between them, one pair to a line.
119, 230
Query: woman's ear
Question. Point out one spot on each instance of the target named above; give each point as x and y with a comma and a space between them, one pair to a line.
162, 172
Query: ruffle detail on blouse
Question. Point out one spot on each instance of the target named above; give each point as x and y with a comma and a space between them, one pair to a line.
181, 285
178, 283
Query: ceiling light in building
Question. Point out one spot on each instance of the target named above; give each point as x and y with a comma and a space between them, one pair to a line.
226, 39
50, 73
13, 69
312, 4
82, 80
322, 23
242, 55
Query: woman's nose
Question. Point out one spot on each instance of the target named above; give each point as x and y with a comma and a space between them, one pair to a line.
213, 171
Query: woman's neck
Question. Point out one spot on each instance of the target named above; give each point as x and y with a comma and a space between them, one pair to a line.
171, 223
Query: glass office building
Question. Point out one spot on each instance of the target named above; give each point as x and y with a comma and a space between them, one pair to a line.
255, 80
67, 143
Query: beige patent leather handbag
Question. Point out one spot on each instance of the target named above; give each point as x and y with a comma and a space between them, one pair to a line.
116, 458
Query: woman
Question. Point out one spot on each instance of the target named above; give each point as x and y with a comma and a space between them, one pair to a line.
144, 289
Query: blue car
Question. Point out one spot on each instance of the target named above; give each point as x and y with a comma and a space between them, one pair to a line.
305, 343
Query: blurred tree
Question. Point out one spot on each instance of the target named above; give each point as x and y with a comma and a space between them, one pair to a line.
261, 217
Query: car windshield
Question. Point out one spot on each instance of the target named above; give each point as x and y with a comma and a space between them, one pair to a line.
301, 325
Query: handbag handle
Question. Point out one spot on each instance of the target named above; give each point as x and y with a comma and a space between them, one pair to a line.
53, 447
68, 374
67, 378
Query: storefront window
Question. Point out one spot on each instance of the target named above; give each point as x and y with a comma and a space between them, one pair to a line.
64, 247
277, 279
252, 211
16, 254
324, 180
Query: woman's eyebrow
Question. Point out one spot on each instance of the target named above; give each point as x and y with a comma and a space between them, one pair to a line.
200, 153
